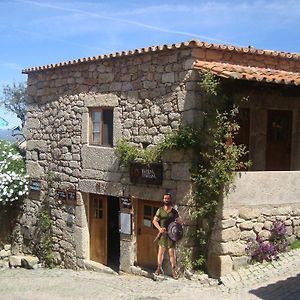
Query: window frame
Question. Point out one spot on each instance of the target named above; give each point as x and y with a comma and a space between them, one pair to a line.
91, 126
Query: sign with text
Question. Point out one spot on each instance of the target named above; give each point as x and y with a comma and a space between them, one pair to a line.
35, 185
126, 202
146, 173
68, 197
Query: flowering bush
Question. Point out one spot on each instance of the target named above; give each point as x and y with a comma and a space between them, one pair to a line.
260, 250
13, 180
278, 237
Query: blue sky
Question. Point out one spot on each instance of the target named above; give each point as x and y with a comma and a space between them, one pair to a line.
36, 32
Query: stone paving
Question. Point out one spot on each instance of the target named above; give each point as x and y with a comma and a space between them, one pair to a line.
276, 280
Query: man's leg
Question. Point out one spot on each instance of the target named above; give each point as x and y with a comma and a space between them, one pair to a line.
160, 257
172, 255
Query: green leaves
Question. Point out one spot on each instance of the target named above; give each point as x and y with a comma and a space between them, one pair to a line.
185, 137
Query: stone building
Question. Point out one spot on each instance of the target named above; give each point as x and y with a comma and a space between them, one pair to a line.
79, 109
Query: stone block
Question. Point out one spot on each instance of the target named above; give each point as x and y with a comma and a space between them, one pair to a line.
7, 247
258, 227
297, 231
184, 192
247, 225
233, 248
34, 169
248, 213
37, 144
5, 253
168, 77
219, 265
247, 235
226, 223
239, 262
268, 225
15, 260
82, 241
126, 255
288, 222
296, 222
4, 264
226, 235
181, 171
29, 262
264, 234
32, 123
226, 213
289, 230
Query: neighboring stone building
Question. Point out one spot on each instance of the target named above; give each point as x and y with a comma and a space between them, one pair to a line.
78, 110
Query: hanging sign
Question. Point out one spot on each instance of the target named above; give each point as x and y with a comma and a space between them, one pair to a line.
146, 173
126, 202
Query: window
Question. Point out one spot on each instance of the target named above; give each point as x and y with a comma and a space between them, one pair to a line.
101, 127
149, 212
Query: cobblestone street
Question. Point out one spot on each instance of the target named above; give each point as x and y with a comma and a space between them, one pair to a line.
277, 280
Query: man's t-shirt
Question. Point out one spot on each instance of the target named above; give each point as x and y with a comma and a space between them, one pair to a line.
165, 218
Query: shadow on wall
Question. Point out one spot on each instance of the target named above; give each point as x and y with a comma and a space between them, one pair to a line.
283, 289
8, 219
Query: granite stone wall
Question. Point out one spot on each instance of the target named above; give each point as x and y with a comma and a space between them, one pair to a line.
150, 95
256, 200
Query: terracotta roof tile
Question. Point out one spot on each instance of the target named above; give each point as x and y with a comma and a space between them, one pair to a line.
188, 44
249, 73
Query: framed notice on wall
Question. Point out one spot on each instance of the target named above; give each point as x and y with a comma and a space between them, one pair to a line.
125, 223
67, 196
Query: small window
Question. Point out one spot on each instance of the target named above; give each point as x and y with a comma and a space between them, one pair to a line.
101, 127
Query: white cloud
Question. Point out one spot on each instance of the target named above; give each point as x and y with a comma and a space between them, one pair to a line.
77, 13
10, 65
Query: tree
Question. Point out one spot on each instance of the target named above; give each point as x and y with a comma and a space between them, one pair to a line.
15, 98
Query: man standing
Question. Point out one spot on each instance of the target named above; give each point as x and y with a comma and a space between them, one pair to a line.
163, 217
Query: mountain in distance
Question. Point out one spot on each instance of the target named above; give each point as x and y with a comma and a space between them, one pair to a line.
6, 134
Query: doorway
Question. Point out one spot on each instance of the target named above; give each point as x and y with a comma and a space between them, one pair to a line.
146, 248
279, 138
104, 230
113, 241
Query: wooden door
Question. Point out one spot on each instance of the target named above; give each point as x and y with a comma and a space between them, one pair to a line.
98, 228
146, 248
279, 135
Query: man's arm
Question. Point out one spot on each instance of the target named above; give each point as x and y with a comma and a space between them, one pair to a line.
156, 224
